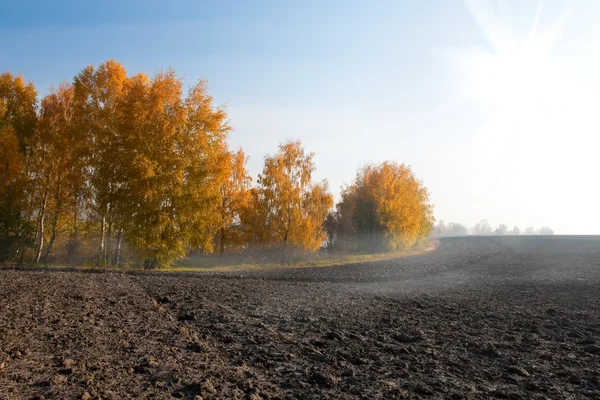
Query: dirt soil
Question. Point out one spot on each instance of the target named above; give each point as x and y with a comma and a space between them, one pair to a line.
479, 318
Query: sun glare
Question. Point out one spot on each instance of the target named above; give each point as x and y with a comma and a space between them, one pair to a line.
520, 82
516, 74
517, 79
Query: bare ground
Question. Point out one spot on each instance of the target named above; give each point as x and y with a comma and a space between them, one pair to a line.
480, 318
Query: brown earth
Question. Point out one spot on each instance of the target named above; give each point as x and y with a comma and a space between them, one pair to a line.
479, 318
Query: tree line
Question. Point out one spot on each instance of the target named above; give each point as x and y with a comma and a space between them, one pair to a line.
483, 227
114, 168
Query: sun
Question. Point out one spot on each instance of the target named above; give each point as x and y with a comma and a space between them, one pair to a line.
519, 80
516, 73
516, 80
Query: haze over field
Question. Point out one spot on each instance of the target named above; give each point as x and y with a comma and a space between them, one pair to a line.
494, 104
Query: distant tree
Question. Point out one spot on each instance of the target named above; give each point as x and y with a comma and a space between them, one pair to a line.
483, 227
455, 228
515, 231
502, 229
440, 229
545, 231
452, 228
530, 230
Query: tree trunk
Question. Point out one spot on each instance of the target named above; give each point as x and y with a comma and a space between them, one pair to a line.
73, 241
58, 205
8, 220
285, 237
38, 255
107, 259
52, 237
102, 239
117, 258
150, 263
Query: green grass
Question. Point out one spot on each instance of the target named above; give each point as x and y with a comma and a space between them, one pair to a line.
214, 264
319, 261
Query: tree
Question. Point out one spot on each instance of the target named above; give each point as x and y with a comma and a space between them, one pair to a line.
502, 229
18, 101
440, 229
530, 230
483, 227
205, 140
386, 207
97, 97
11, 190
59, 166
457, 229
254, 219
290, 209
545, 231
453, 228
170, 167
234, 198
18, 120
515, 231
317, 203
333, 229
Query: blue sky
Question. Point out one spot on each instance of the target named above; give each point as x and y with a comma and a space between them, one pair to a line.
361, 81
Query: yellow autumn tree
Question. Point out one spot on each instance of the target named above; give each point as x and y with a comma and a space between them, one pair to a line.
97, 95
18, 101
18, 119
386, 207
59, 164
170, 167
289, 208
254, 219
207, 129
11, 191
234, 199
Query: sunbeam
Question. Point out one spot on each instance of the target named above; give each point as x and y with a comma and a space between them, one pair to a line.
516, 75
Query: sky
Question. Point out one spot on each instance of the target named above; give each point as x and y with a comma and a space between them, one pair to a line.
494, 104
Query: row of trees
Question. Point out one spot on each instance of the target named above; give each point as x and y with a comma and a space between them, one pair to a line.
483, 227
112, 164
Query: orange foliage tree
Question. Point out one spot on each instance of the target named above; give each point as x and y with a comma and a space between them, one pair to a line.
97, 98
18, 120
385, 207
287, 209
169, 167
234, 199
